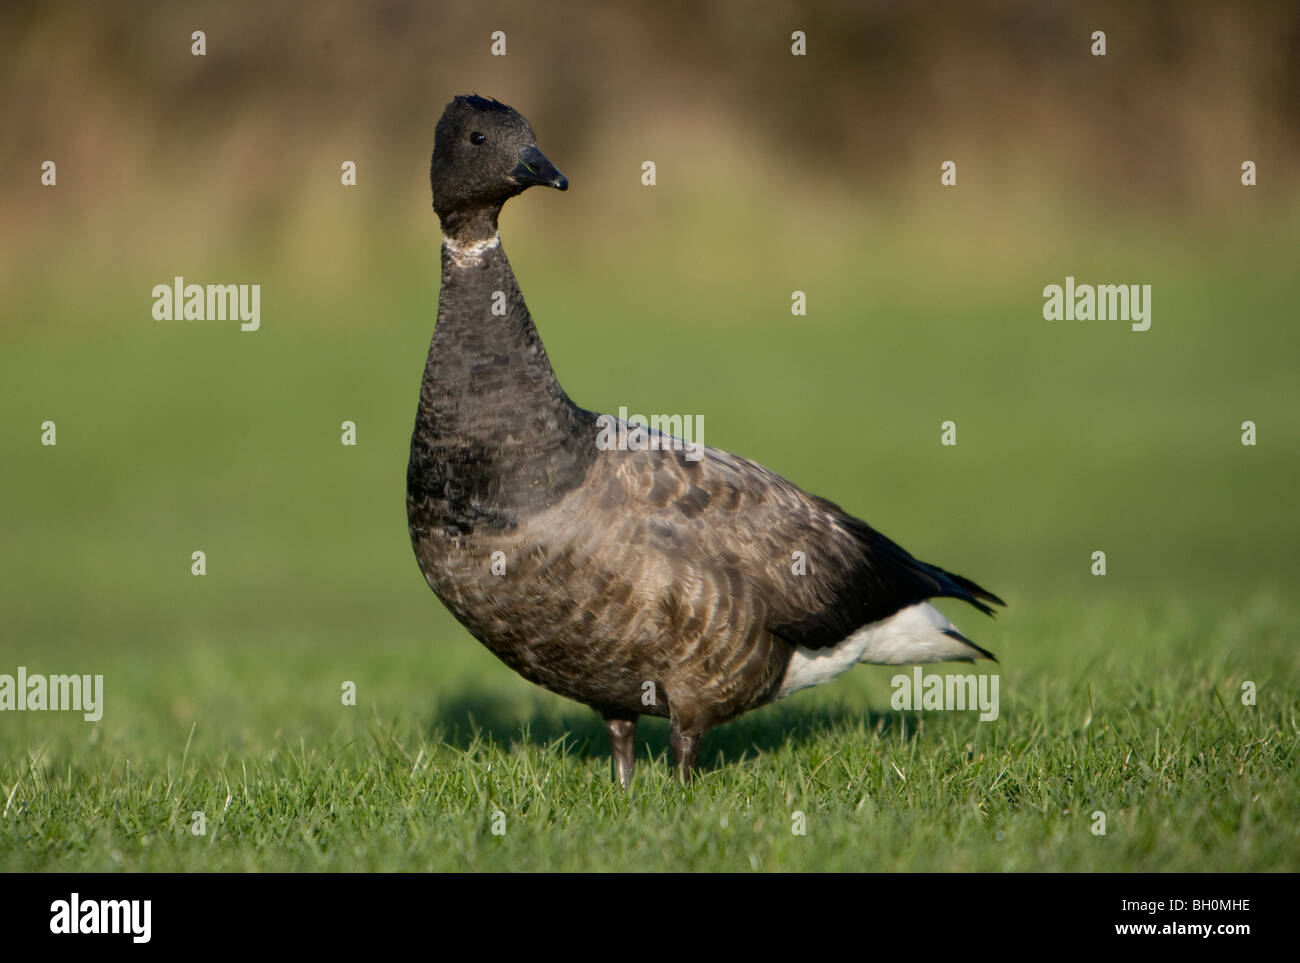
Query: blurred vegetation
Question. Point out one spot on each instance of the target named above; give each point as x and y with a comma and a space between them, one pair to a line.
925, 302
164, 154
775, 173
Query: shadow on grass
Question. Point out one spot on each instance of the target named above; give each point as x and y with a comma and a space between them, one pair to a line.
510, 723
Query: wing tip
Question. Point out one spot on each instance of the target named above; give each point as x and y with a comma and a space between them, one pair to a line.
967, 591
985, 653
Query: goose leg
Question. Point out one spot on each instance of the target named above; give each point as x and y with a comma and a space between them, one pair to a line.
622, 744
686, 750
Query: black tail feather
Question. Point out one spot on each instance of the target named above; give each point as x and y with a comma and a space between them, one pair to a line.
957, 587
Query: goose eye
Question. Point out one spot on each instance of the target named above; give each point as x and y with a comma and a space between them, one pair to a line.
476, 138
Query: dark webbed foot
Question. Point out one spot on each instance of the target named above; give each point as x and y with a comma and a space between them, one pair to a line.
622, 743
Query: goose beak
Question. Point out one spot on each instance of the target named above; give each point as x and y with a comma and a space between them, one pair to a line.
534, 168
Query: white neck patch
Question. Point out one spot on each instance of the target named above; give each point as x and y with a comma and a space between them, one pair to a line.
469, 252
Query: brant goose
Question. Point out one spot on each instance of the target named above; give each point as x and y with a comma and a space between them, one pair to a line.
635, 581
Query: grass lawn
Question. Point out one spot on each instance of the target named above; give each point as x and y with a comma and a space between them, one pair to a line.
1120, 694
1150, 732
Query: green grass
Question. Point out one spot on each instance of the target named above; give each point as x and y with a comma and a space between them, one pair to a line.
1118, 693
1151, 732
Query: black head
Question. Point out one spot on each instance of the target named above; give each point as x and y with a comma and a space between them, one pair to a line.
484, 153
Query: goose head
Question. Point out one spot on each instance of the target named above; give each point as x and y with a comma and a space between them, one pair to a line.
484, 153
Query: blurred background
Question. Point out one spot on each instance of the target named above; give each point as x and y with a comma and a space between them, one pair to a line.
775, 173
